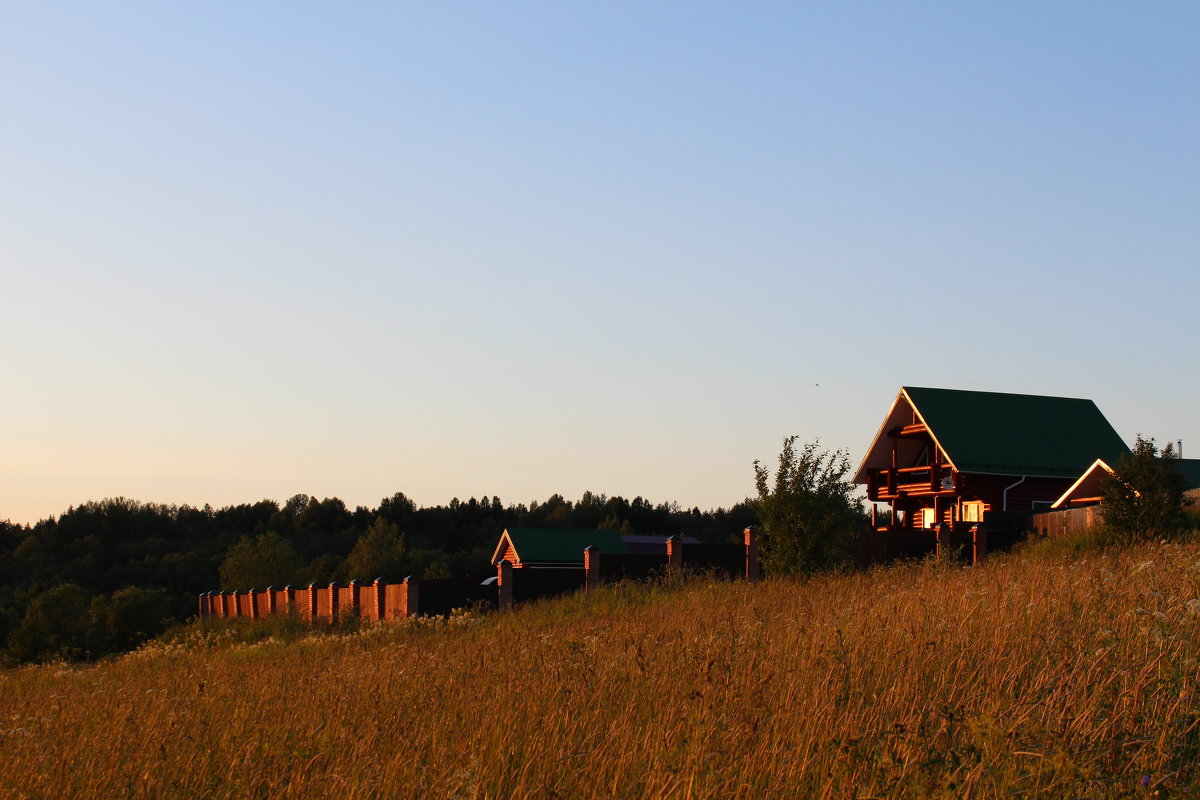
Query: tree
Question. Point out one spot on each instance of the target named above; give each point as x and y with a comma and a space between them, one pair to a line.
1144, 497
378, 553
128, 617
256, 563
55, 626
808, 516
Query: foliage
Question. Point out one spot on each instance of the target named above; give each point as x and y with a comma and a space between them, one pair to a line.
55, 626
808, 515
378, 553
1145, 496
128, 617
262, 561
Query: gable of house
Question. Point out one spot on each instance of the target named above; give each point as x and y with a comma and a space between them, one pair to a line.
554, 546
996, 433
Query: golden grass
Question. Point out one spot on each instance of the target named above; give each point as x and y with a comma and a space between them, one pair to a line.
1033, 676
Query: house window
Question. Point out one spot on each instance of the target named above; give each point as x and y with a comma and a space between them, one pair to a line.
972, 511
928, 517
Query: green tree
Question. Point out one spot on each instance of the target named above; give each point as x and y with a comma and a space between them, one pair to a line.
1145, 496
807, 516
378, 553
128, 617
262, 561
55, 625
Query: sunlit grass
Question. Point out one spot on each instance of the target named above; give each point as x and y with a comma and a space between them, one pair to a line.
1043, 675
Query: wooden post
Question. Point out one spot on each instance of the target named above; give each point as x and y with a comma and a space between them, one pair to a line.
674, 554
591, 568
504, 578
942, 548
753, 555
979, 543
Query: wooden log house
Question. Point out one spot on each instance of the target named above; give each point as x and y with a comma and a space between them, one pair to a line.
952, 456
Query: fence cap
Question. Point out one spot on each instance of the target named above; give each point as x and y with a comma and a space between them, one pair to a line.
378, 580
409, 579
270, 588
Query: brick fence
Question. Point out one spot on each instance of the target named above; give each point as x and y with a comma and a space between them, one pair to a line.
380, 601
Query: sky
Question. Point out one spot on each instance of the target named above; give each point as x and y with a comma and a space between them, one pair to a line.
250, 250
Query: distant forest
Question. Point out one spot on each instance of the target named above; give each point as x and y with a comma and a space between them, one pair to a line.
105, 575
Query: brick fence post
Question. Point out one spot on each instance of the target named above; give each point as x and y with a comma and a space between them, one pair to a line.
591, 568
253, 595
504, 578
979, 543
334, 610
355, 600
312, 602
237, 602
289, 599
377, 599
223, 602
674, 554
271, 603
753, 555
410, 592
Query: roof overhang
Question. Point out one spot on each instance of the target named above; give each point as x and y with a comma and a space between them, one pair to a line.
498, 555
1088, 483
900, 413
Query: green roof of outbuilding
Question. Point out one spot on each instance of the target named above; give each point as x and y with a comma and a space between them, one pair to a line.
562, 545
1017, 434
1190, 469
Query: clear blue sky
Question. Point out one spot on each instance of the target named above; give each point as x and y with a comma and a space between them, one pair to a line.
454, 249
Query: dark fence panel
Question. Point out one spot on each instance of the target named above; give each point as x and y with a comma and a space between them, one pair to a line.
533, 584
440, 596
1006, 528
880, 547
633, 567
727, 558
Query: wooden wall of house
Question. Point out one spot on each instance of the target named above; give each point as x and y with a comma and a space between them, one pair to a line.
990, 489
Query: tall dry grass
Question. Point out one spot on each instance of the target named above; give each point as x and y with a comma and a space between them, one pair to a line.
1033, 676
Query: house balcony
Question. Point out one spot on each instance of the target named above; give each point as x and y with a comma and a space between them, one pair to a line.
890, 484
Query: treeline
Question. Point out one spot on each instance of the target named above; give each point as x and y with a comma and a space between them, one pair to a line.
106, 575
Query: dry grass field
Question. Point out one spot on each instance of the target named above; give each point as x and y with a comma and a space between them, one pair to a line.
1037, 675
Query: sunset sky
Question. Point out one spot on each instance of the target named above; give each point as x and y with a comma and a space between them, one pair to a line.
451, 249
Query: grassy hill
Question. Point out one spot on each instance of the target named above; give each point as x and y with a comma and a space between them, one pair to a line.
1037, 675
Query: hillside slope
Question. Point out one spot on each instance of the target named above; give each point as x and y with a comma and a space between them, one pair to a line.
1033, 676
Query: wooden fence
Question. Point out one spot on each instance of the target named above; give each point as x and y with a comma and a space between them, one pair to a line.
1057, 523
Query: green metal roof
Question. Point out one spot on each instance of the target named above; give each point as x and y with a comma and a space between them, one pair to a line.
1017, 434
1190, 469
562, 546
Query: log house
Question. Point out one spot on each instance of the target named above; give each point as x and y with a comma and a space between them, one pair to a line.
952, 456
